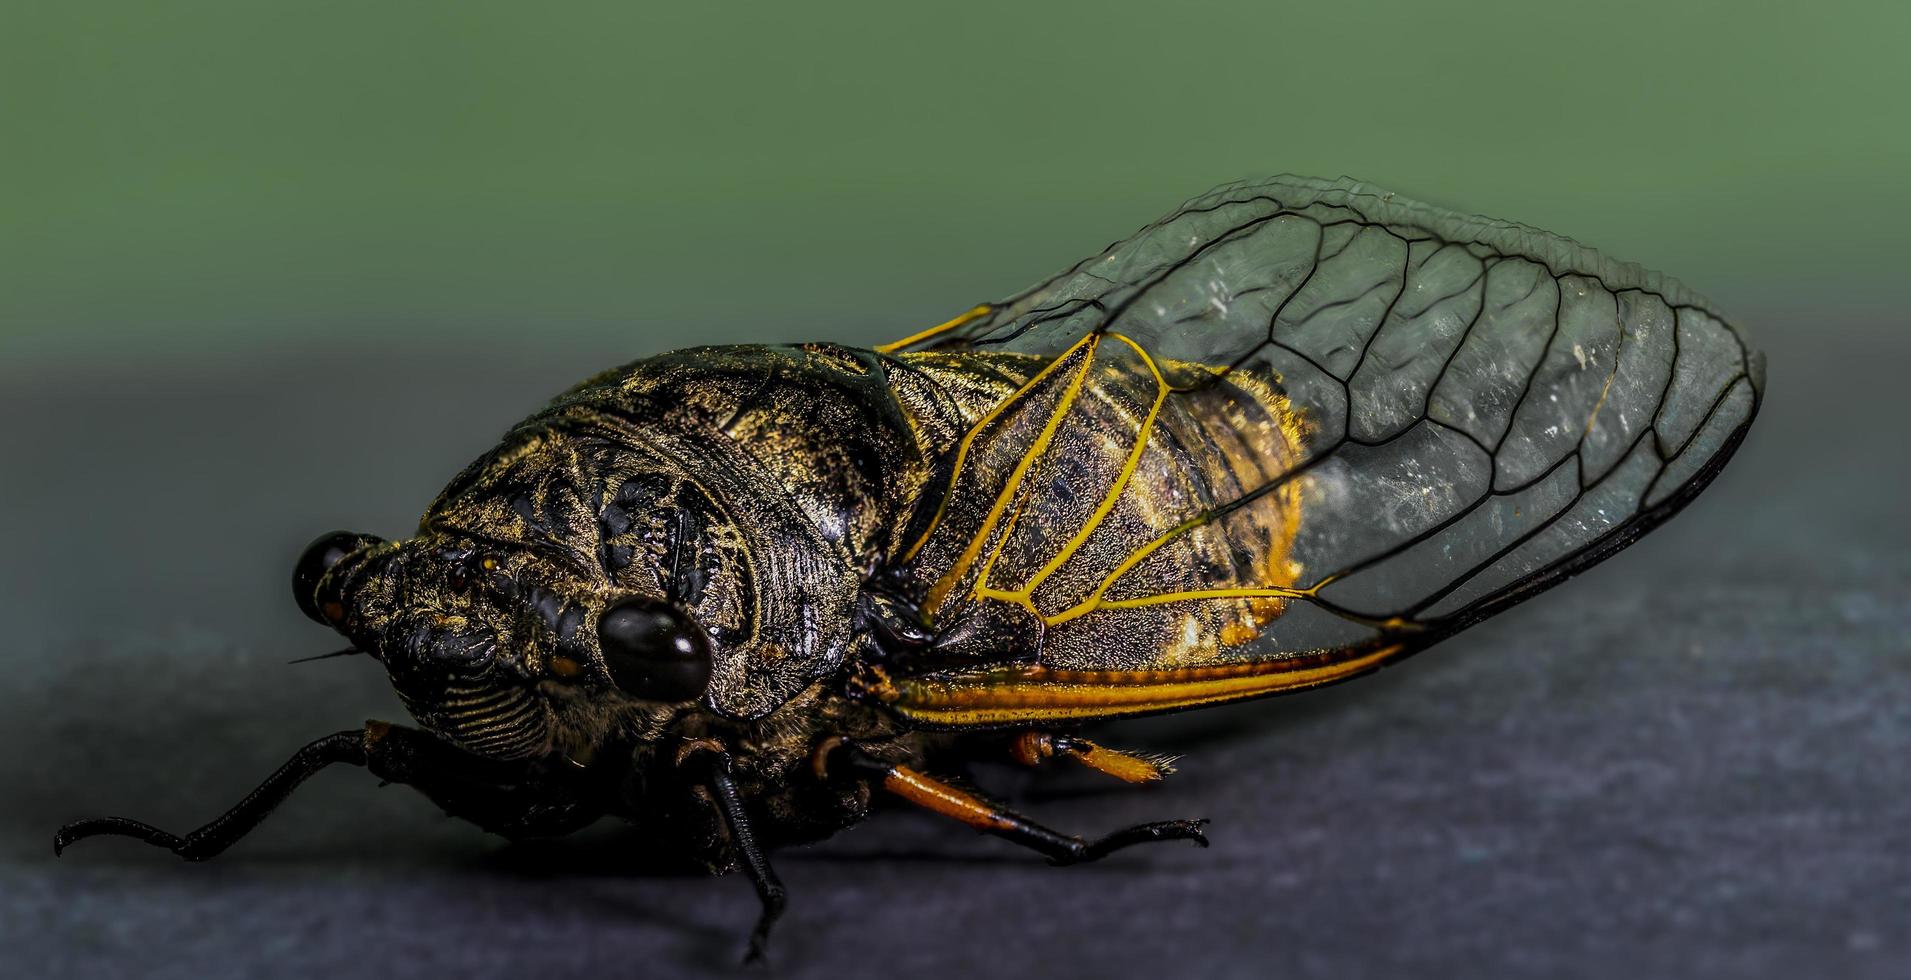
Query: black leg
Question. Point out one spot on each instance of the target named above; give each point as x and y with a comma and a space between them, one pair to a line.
939, 797
227, 828
756, 864
517, 800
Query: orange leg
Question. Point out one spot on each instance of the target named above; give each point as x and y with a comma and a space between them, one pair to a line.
940, 797
1033, 748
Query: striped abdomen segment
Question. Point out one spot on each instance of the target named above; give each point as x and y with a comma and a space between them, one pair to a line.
498, 721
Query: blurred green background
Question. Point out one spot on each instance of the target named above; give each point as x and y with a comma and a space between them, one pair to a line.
200, 180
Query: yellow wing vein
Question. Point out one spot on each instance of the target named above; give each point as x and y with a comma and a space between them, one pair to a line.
1037, 694
968, 440
1025, 595
940, 591
972, 315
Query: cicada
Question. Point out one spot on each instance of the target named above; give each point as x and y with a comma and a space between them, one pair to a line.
1292, 432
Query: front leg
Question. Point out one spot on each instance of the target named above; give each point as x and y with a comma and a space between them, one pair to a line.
501, 797
711, 765
226, 829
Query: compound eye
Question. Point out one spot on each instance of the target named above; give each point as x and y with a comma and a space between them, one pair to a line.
653, 651
319, 557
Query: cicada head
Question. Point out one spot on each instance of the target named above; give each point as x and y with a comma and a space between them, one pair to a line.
504, 651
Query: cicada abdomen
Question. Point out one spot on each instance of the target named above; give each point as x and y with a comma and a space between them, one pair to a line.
1290, 432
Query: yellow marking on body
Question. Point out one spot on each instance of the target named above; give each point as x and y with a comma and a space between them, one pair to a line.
974, 314
968, 439
1041, 695
1281, 568
940, 591
1236, 634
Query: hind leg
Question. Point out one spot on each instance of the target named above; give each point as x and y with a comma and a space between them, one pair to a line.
940, 797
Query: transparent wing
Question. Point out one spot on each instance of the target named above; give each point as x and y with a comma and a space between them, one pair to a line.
1446, 414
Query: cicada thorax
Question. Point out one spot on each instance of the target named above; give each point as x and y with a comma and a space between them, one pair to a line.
1090, 491
749, 487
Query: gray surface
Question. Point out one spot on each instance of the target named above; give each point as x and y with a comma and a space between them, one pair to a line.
1688, 762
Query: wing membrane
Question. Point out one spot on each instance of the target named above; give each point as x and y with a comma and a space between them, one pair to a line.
1299, 419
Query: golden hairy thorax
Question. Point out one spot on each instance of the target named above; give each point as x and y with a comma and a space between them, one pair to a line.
751, 487
1091, 504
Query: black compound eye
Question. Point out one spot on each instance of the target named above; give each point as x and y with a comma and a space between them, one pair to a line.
318, 558
653, 651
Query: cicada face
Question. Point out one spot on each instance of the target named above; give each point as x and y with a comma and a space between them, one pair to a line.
503, 651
